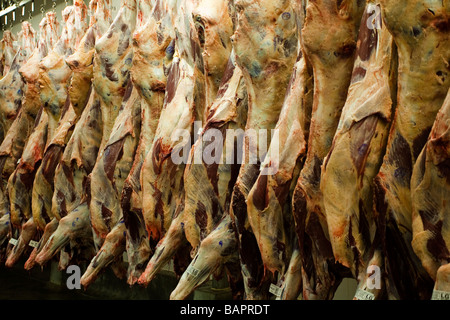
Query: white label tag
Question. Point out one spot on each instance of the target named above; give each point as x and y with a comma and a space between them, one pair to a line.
275, 290
364, 295
440, 295
192, 271
33, 244
13, 241
125, 256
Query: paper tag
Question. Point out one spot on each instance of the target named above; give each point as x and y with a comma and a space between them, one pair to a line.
125, 256
13, 241
33, 244
193, 271
364, 295
440, 295
275, 290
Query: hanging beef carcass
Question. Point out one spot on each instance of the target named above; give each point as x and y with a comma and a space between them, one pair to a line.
209, 185
221, 242
273, 28
57, 174
16, 137
54, 77
78, 94
151, 42
116, 156
81, 151
362, 137
271, 67
112, 62
420, 31
269, 200
20, 183
7, 52
14, 102
12, 84
430, 190
331, 55
292, 129
162, 170
71, 191
116, 164
214, 27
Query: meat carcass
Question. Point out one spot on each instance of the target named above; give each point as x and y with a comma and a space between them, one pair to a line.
112, 81
12, 84
209, 177
219, 245
7, 51
331, 55
272, 27
420, 31
430, 190
113, 57
13, 144
70, 183
77, 95
362, 137
268, 202
107, 178
163, 167
81, 151
54, 77
218, 25
152, 41
206, 222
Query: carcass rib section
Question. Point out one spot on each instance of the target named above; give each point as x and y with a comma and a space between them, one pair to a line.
420, 31
362, 137
331, 55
